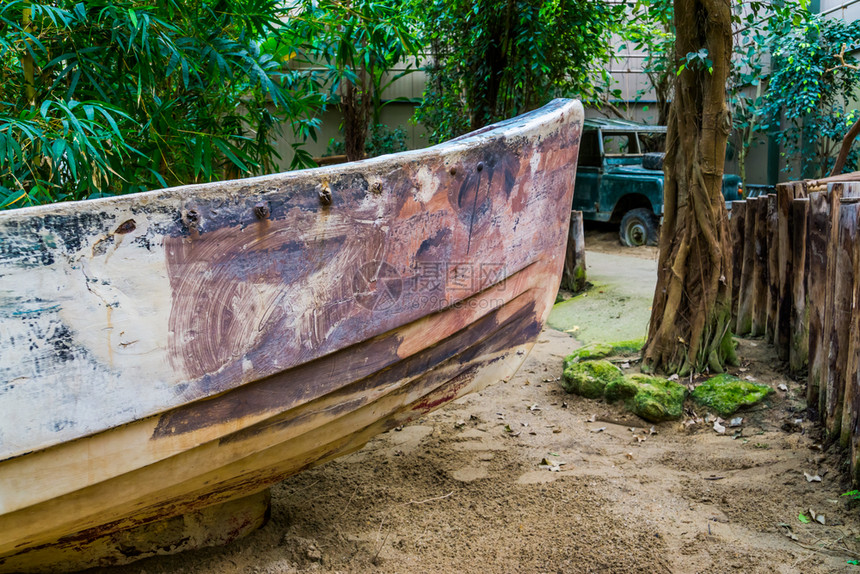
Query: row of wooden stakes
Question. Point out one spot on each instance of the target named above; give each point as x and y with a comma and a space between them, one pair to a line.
796, 266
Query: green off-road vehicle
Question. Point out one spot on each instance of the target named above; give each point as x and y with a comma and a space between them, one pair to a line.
619, 178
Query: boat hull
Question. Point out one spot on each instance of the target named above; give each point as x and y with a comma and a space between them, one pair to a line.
196, 345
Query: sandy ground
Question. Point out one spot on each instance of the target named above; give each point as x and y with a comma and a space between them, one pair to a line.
462, 490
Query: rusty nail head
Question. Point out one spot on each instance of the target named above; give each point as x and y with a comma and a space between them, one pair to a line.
261, 210
453, 171
376, 187
480, 166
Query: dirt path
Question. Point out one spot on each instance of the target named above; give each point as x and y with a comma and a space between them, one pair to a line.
462, 491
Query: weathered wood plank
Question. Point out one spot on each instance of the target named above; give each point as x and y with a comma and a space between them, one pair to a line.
745, 293
799, 348
760, 280
843, 307
785, 194
773, 279
818, 236
574, 276
738, 222
834, 197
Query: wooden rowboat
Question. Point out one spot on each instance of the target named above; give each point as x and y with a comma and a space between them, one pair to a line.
162, 354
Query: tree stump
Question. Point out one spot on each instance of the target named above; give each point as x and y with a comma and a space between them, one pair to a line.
573, 277
737, 221
817, 239
760, 283
743, 323
799, 320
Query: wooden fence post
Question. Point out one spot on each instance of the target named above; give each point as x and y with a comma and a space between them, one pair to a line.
818, 235
843, 306
773, 277
850, 435
785, 193
834, 196
573, 277
738, 220
799, 321
760, 282
745, 293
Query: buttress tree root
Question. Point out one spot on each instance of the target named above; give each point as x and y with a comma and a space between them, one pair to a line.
690, 329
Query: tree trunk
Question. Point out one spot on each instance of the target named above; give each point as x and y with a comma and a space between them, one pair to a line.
573, 276
845, 148
355, 106
690, 321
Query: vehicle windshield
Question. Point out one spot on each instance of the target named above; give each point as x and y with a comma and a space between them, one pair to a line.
633, 143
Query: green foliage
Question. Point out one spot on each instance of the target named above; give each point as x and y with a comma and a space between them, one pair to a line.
383, 140
493, 59
651, 31
800, 95
352, 48
102, 97
808, 106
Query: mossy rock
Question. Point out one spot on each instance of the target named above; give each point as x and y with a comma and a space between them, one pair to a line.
589, 378
656, 399
726, 394
589, 352
627, 348
603, 350
620, 389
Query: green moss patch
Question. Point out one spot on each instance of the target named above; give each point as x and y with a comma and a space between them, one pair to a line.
726, 394
589, 378
652, 398
656, 399
620, 390
603, 350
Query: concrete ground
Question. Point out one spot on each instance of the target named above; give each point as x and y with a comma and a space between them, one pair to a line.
617, 307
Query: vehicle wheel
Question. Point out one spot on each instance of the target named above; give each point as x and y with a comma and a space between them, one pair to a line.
639, 227
653, 160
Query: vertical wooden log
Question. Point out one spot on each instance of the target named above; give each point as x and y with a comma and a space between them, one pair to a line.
772, 269
799, 348
745, 292
760, 285
850, 432
785, 194
739, 211
834, 197
843, 307
851, 400
573, 277
818, 235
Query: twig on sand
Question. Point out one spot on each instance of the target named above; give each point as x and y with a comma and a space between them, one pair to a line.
430, 499
345, 508
375, 556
